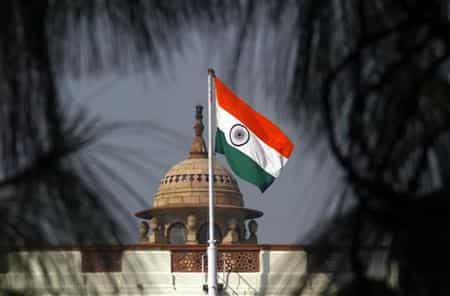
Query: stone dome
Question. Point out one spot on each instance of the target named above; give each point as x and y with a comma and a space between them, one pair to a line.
182, 196
186, 184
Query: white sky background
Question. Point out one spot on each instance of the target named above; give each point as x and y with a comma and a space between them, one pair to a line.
298, 201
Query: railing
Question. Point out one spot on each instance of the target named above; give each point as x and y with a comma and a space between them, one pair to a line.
230, 260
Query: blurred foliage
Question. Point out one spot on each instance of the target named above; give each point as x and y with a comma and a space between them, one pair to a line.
369, 77
46, 164
373, 78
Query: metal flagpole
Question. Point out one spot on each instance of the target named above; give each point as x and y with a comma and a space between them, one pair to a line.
212, 250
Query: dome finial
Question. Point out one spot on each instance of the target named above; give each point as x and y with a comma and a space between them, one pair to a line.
198, 147
198, 127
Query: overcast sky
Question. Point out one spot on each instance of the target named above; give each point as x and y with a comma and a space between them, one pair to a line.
294, 205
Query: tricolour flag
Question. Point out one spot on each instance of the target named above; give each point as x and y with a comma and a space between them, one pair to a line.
255, 148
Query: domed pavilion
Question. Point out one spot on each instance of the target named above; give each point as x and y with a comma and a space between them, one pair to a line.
180, 206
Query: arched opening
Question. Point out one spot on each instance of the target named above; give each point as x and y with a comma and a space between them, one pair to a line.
203, 233
239, 232
177, 233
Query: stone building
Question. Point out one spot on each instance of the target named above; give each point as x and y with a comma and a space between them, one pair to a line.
170, 256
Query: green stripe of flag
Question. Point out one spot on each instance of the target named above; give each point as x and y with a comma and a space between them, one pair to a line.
242, 165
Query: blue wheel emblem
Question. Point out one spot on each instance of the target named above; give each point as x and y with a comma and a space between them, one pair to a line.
239, 135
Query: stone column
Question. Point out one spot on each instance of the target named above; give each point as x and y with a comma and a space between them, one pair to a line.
232, 237
243, 234
143, 232
252, 228
156, 237
191, 227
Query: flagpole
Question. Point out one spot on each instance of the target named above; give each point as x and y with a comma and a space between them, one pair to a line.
212, 250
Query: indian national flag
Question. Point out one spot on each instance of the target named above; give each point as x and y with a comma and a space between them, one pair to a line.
255, 148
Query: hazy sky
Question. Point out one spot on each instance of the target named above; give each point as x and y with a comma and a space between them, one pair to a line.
298, 200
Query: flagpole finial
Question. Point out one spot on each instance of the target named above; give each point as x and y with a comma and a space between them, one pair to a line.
211, 71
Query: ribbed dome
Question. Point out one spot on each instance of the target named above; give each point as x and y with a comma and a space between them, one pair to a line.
186, 184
